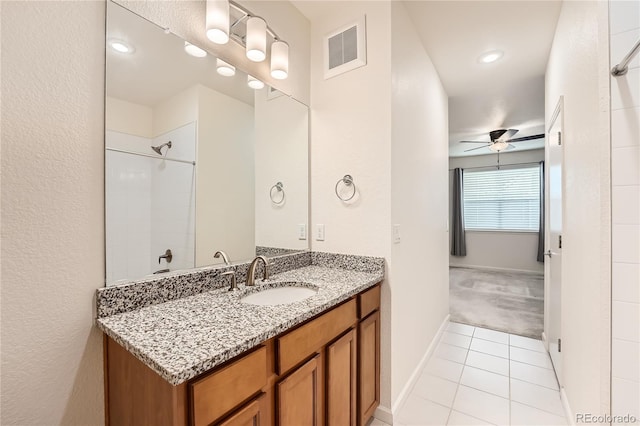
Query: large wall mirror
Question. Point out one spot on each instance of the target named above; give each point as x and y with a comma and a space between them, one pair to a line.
196, 162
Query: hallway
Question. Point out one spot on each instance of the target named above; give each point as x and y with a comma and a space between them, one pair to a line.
478, 376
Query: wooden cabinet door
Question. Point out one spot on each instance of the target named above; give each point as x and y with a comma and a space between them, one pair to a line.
368, 366
298, 396
252, 414
341, 380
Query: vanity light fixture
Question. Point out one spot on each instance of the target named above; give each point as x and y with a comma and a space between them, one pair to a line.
225, 68
217, 21
489, 57
279, 60
256, 39
120, 46
194, 50
254, 83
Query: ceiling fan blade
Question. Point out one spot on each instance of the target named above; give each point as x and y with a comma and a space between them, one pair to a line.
473, 142
473, 149
506, 135
526, 138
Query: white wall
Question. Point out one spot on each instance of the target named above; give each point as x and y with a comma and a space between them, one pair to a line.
350, 134
498, 250
225, 186
578, 70
52, 211
187, 20
419, 151
128, 117
625, 164
281, 155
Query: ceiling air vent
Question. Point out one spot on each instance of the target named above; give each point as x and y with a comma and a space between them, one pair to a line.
345, 49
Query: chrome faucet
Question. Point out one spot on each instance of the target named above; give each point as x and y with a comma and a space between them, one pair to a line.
225, 258
234, 284
251, 274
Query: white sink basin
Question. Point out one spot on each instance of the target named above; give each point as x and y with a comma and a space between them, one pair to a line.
279, 296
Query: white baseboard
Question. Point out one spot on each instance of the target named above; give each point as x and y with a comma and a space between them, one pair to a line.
544, 341
492, 268
408, 387
383, 414
568, 413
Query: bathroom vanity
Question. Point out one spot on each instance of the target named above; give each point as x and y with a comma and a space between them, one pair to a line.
210, 358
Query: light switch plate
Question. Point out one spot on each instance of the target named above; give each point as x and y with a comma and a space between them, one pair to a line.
302, 231
396, 233
320, 232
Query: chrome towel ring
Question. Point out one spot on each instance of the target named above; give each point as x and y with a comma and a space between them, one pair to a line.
279, 188
347, 180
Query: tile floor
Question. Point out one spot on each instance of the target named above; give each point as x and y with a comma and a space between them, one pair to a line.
478, 376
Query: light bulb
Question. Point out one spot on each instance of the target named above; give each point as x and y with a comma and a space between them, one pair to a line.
254, 83
120, 46
194, 50
217, 21
279, 60
488, 57
225, 68
256, 39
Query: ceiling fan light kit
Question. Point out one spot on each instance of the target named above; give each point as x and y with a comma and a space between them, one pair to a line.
501, 140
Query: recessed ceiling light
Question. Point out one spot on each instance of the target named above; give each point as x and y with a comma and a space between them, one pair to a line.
194, 50
487, 58
121, 46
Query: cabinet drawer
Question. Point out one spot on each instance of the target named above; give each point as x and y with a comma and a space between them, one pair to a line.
295, 346
368, 301
219, 392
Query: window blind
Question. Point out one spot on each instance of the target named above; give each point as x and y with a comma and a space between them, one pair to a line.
505, 199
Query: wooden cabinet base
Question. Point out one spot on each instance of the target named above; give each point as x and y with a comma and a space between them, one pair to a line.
325, 371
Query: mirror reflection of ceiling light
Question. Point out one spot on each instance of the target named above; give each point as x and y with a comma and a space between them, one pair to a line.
194, 50
254, 83
256, 39
120, 46
225, 68
217, 21
488, 57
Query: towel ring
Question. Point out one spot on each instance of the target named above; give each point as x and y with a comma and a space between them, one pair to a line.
348, 181
279, 188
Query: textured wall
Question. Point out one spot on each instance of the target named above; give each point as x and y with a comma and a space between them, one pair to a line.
52, 211
419, 151
578, 70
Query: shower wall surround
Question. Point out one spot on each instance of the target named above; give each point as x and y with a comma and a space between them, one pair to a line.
150, 203
624, 31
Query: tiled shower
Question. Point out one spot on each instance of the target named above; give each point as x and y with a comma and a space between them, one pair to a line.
625, 180
150, 203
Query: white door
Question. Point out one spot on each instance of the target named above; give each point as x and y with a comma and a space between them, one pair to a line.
553, 190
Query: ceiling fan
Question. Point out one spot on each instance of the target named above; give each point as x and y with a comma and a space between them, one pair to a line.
501, 140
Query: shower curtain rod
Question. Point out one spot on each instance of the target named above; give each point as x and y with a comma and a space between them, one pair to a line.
193, 163
622, 67
495, 165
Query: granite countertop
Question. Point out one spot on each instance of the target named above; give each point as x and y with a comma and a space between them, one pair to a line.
183, 338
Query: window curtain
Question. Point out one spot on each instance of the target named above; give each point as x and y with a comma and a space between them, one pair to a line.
458, 243
541, 228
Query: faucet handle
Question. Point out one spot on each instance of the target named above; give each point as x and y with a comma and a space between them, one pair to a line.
167, 255
234, 283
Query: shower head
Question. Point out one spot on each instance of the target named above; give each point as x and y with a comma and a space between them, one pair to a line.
158, 149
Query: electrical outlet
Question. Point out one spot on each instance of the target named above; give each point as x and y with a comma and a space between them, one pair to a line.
396, 233
302, 231
320, 232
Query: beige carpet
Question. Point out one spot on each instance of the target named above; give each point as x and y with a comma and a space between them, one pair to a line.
505, 301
